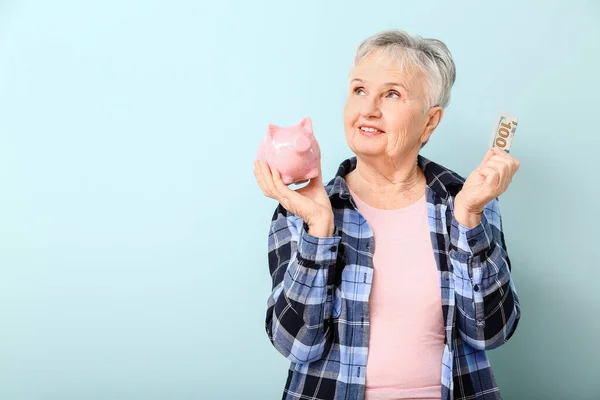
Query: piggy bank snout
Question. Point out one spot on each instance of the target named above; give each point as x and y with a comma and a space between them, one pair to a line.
302, 144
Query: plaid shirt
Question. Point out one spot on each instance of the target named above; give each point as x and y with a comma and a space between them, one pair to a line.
318, 311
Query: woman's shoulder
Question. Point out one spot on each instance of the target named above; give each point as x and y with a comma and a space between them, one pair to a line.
441, 178
437, 170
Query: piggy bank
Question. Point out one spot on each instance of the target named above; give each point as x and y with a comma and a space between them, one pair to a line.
293, 151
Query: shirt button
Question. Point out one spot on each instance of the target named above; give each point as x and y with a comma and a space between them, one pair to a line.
476, 288
333, 248
472, 242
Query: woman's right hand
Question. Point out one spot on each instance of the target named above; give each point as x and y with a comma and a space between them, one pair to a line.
310, 203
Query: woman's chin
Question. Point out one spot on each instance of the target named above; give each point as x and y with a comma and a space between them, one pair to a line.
367, 145
367, 149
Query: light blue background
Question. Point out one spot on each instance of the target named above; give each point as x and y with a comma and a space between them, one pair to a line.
133, 235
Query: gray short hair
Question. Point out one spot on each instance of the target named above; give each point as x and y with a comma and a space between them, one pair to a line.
429, 55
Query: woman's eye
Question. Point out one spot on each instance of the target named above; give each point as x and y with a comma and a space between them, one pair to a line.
394, 95
359, 91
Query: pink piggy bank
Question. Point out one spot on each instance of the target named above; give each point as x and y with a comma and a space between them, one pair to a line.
293, 151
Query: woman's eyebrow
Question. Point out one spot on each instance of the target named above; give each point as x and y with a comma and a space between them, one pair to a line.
387, 84
397, 84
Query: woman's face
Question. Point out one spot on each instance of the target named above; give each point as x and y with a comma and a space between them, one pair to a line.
385, 111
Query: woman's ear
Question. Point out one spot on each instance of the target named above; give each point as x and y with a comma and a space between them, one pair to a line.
433, 118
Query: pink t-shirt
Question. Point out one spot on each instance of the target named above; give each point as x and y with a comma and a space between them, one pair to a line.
406, 321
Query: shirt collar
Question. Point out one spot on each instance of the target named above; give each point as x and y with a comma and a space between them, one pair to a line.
441, 180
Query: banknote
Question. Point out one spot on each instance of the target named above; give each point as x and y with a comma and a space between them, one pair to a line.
504, 132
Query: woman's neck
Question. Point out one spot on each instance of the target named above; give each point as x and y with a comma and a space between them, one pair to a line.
387, 184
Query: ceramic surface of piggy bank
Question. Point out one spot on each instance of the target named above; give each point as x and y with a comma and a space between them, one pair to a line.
293, 151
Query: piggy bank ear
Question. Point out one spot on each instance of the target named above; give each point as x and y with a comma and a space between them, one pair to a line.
271, 129
306, 124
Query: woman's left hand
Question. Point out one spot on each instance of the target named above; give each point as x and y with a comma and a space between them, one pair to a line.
489, 180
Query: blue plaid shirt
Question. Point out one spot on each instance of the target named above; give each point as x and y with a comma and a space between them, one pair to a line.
318, 311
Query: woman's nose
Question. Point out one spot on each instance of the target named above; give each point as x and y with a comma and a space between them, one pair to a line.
370, 108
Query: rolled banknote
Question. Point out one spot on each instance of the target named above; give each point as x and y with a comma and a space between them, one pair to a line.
504, 132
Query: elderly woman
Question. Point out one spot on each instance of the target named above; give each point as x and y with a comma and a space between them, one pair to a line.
392, 281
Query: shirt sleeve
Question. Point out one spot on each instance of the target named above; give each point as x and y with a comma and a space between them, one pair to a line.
299, 307
487, 302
